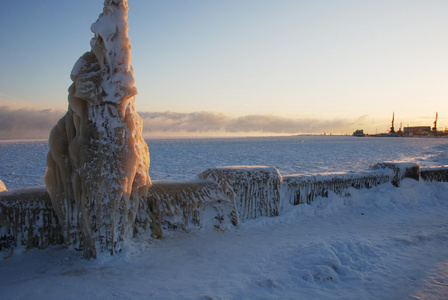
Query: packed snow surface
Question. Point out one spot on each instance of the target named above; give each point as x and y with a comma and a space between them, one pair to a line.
381, 243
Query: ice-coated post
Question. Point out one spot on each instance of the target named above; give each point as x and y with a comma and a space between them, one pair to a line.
97, 166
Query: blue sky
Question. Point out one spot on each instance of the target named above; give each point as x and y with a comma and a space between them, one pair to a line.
343, 64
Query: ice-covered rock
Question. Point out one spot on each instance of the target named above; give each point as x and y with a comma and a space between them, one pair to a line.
253, 190
2, 186
97, 166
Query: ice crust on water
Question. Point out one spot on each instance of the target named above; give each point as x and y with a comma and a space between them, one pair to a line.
97, 166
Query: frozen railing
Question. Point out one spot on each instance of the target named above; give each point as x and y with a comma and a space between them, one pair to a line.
254, 191
220, 197
434, 174
299, 189
27, 218
172, 205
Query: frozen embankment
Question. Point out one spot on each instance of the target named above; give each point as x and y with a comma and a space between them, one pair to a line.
220, 197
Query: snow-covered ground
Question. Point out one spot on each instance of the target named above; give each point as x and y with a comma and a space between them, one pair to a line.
382, 243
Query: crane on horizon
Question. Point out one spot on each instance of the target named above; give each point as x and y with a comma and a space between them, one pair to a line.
435, 123
392, 129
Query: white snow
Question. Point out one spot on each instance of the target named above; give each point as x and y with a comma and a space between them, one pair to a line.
381, 243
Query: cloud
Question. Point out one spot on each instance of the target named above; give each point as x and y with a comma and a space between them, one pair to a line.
27, 123
188, 122
209, 122
33, 123
281, 125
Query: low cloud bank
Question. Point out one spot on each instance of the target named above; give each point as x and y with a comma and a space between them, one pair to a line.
209, 122
29, 123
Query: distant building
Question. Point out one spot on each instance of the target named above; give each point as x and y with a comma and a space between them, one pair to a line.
359, 132
417, 130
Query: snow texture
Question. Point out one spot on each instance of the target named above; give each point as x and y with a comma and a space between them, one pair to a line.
97, 166
379, 243
253, 190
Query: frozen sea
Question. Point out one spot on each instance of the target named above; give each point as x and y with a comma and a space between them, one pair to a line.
381, 243
22, 163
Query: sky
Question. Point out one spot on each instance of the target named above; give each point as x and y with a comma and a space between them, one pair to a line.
253, 67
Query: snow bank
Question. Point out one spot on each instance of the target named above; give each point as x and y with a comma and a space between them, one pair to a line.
380, 243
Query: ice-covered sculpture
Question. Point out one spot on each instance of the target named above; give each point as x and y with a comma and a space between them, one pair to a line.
97, 166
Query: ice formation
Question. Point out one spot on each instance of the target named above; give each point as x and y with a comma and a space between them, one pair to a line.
97, 166
435, 174
184, 205
400, 169
27, 218
253, 190
2, 186
225, 198
300, 189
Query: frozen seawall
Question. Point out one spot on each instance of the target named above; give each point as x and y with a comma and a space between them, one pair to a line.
220, 198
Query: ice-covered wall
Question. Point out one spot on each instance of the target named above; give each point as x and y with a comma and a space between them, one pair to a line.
222, 198
253, 190
300, 189
28, 219
435, 174
173, 204
97, 167
401, 170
